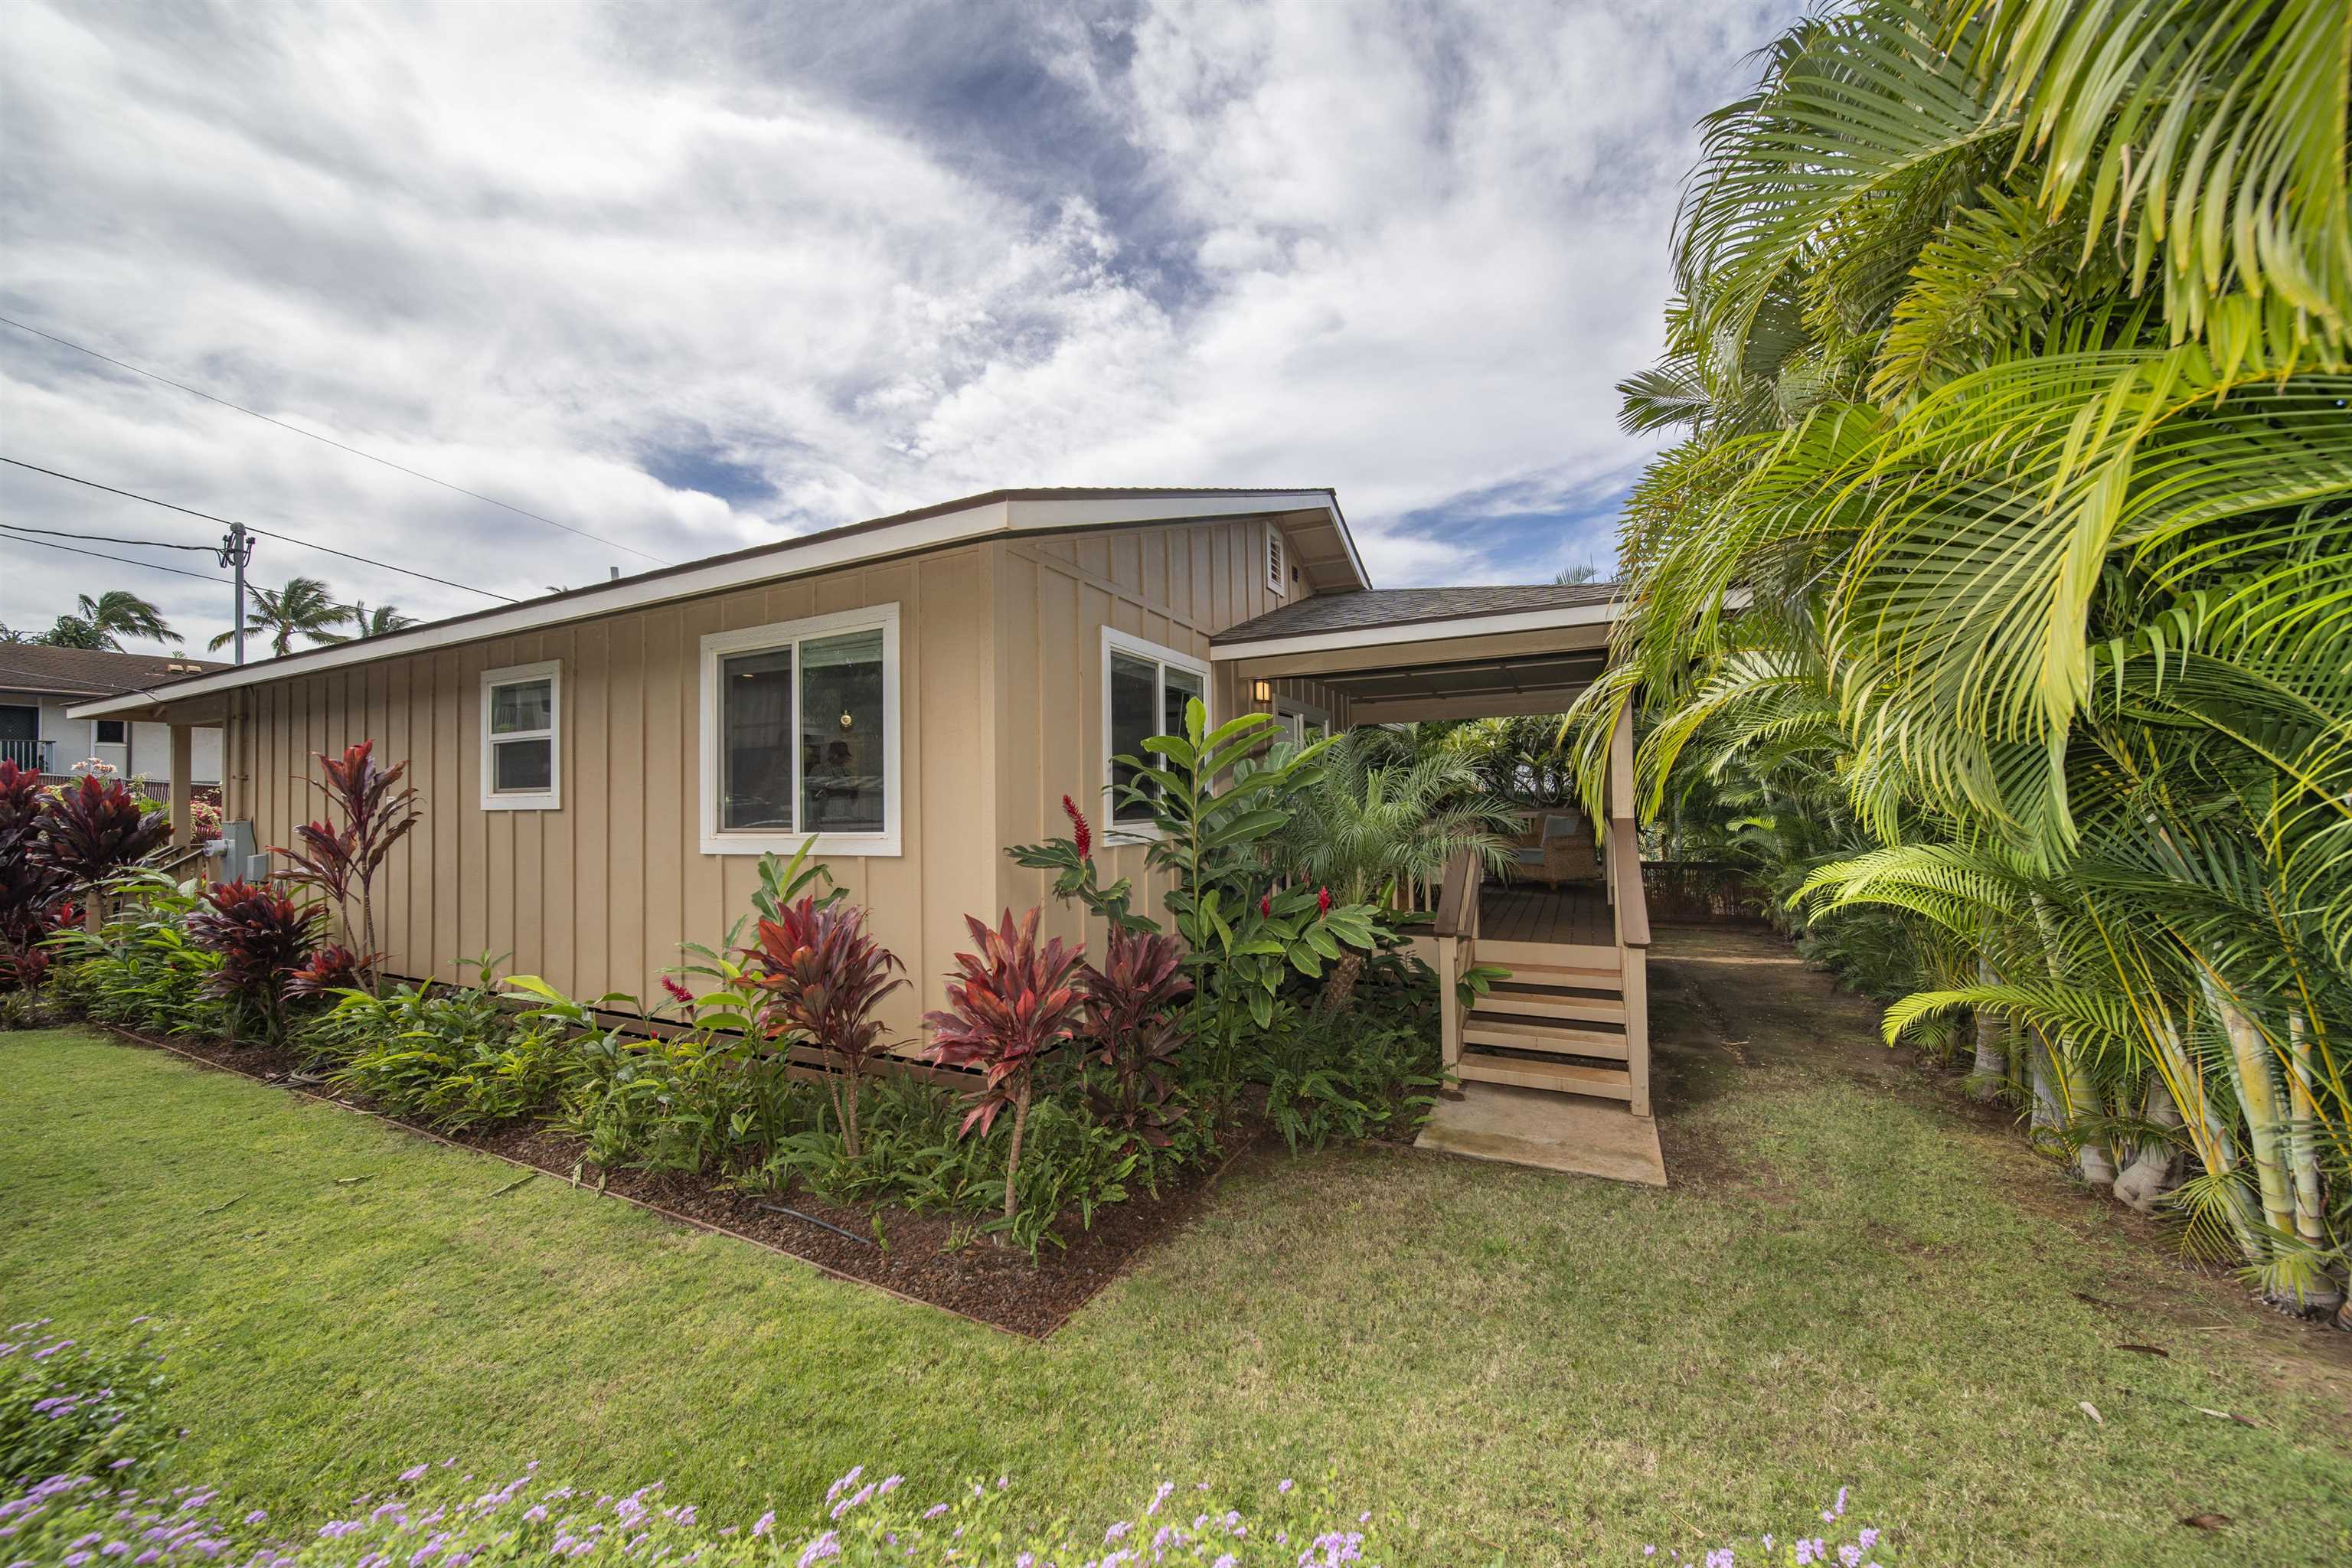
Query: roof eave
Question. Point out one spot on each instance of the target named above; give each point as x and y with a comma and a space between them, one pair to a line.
1433, 629
994, 514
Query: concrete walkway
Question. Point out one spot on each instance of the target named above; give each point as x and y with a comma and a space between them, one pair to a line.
1553, 1131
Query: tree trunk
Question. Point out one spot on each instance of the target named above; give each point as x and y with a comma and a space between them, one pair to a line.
2216, 1151
844, 1105
1991, 1072
2150, 1173
2323, 1295
1341, 989
2250, 1069
1013, 1156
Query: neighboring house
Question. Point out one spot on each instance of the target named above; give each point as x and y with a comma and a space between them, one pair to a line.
38, 683
600, 769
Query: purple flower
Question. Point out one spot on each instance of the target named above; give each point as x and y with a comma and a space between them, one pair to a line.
767, 1522
823, 1546
1285, 1485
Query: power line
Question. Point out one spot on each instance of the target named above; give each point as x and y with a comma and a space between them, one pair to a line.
371, 456
112, 539
287, 538
127, 561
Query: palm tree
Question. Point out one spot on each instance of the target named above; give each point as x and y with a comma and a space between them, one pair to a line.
377, 622
1377, 817
2011, 359
106, 620
302, 608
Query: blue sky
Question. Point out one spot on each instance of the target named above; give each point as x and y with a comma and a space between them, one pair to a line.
691, 276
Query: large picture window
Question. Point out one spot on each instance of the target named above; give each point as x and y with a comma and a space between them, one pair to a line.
522, 764
800, 736
1145, 689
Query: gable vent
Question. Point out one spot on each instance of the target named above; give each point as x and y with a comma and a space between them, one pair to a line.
1277, 565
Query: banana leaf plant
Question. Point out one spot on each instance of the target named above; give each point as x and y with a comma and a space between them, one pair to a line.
1218, 797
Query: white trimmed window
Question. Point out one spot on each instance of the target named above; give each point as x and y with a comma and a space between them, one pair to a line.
522, 752
800, 736
1145, 689
1277, 561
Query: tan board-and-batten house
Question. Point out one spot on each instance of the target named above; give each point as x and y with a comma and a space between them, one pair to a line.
600, 769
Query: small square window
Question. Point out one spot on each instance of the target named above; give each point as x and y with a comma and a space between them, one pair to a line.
521, 712
111, 731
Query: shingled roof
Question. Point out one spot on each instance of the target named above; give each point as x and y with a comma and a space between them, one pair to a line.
1377, 607
90, 672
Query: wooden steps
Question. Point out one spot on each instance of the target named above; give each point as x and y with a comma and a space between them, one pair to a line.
1558, 1021
1564, 1078
1548, 957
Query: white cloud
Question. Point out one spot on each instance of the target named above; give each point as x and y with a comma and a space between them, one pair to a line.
868, 259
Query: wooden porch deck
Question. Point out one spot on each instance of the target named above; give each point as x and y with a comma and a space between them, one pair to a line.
1576, 914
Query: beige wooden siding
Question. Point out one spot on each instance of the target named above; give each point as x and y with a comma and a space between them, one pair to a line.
1176, 587
598, 895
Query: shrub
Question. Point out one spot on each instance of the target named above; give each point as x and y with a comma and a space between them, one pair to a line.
140, 970
821, 977
696, 1101
261, 938
69, 1408
1131, 1029
32, 902
917, 1155
1008, 1005
450, 1056
94, 827
331, 969
1347, 1076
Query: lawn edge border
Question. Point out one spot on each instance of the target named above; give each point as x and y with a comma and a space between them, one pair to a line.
135, 1037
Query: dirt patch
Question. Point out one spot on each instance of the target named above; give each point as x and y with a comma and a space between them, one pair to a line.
935, 1260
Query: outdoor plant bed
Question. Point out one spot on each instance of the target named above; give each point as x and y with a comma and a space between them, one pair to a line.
938, 1260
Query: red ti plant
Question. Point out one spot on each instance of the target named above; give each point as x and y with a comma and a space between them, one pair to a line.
343, 862
823, 976
262, 938
1008, 1006
94, 828
32, 891
332, 968
1131, 1026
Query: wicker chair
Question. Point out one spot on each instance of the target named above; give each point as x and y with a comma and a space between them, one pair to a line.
1555, 849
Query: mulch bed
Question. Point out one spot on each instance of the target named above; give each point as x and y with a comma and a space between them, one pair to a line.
933, 1260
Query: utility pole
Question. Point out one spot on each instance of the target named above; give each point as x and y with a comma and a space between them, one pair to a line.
236, 552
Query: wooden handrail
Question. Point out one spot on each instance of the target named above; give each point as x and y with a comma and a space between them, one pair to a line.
1454, 896
1632, 902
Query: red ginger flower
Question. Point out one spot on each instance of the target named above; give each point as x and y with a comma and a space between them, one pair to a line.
1322, 900
678, 992
1078, 828
1266, 905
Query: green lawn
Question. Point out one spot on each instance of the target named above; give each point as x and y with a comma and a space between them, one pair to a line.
1494, 1357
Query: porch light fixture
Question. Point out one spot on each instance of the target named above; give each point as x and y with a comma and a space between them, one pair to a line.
1263, 690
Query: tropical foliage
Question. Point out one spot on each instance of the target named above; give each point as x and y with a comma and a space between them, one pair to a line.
302, 608
1008, 1006
341, 860
103, 622
1997, 583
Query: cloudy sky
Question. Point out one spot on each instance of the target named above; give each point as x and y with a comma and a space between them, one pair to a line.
691, 278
